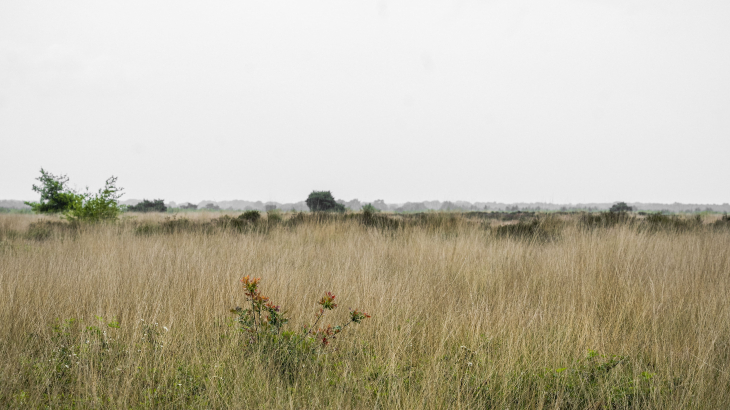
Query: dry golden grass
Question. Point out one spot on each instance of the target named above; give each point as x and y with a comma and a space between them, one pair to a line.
461, 318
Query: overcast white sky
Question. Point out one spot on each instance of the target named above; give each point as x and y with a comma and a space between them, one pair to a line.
563, 101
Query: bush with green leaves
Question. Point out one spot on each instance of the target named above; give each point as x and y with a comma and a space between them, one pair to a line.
56, 196
101, 206
369, 209
250, 216
156, 205
323, 201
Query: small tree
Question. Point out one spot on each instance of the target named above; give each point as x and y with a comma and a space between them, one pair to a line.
56, 197
156, 205
620, 207
323, 201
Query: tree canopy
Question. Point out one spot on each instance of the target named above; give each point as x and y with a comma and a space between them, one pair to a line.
56, 197
621, 207
323, 201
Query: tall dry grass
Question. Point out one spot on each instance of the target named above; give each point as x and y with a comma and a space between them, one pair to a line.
461, 317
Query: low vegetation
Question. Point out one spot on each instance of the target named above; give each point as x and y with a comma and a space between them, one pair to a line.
547, 311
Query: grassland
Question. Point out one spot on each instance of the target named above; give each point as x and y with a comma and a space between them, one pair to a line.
564, 312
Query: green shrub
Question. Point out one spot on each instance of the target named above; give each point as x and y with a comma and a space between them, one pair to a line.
56, 196
250, 216
323, 201
263, 322
369, 209
156, 205
102, 206
620, 207
657, 221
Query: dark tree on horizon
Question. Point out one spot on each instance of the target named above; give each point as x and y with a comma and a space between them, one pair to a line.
323, 201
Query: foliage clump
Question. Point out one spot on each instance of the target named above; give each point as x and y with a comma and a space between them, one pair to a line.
250, 216
723, 222
657, 221
620, 207
56, 196
604, 219
100, 206
156, 205
323, 201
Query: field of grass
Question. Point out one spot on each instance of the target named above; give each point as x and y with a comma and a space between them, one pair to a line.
563, 312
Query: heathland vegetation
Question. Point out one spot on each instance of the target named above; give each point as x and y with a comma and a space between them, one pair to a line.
468, 310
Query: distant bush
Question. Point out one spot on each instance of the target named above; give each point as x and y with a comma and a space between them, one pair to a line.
212, 207
369, 209
604, 219
172, 225
658, 221
56, 197
157, 205
499, 215
189, 206
323, 201
273, 216
370, 217
538, 229
620, 207
250, 216
723, 222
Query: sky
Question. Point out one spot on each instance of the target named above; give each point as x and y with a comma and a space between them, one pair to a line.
512, 101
